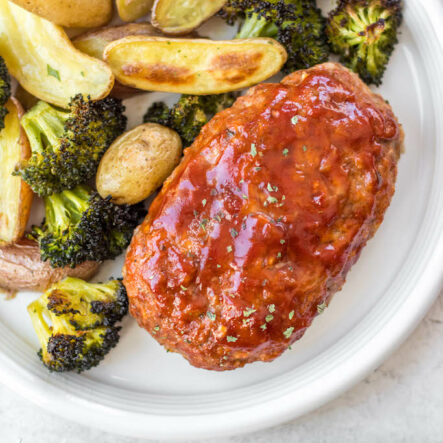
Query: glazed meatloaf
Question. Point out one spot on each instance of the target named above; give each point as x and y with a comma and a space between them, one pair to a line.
260, 223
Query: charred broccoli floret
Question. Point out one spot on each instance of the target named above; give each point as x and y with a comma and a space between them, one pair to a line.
364, 34
5, 91
81, 226
158, 112
297, 24
189, 114
67, 145
89, 305
81, 328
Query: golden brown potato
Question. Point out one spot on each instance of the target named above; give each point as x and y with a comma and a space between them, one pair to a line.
22, 269
71, 13
138, 162
94, 43
130, 10
193, 66
16, 195
41, 57
180, 17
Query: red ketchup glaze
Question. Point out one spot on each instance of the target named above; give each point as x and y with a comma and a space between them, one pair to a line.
258, 226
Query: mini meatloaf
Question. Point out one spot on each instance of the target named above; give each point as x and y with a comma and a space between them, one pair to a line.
258, 226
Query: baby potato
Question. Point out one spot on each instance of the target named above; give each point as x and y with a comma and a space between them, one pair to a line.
180, 17
138, 162
21, 268
69, 13
130, 10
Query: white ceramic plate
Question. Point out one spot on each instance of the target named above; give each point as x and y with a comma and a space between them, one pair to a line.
142, 391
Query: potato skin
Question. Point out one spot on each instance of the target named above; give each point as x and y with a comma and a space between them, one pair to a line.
94, 42
72, 14
22, 269
16, 201
138, 162
178, 17
130, 10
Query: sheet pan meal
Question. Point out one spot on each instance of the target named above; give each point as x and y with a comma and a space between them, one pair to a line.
267, 195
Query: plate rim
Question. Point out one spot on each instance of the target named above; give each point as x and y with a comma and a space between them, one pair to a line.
275, 411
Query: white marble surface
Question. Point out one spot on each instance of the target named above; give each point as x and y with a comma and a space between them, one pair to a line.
402, 401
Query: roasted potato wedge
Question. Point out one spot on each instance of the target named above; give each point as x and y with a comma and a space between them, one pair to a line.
130, 10
71, 13
16, 195
180, 17
94, 43
41, 57
193, 66
138, 162
22, 269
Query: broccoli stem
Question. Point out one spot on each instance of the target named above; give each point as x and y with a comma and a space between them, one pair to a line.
77, 202
44, 126
253, 26
39, 323
59, 323
57, 216
66, 208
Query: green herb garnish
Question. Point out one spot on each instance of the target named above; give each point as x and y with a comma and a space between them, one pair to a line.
249, 311
53, 72
288, 332
321, 307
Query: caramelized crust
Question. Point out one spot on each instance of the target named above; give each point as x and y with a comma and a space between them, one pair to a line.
259, 225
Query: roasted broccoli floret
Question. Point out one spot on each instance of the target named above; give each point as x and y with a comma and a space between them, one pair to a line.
189, 114
158, 112
364, 34
297, 24
75, 322
5, 91
81, 226
89, 305
67, 145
